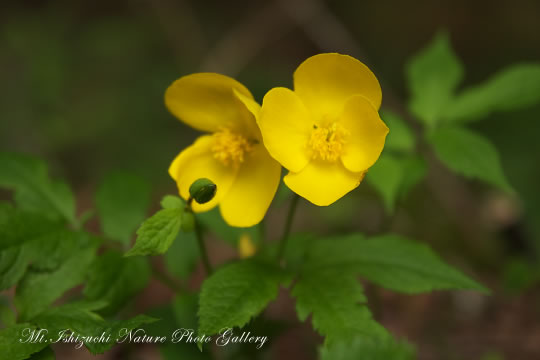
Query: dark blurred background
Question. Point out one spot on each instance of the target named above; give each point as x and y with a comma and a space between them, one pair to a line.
82, 84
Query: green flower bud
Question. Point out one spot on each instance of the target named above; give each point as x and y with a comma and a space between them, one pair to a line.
202, 190
188, 221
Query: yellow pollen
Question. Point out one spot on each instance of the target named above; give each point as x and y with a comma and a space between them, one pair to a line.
230, 148
326, 143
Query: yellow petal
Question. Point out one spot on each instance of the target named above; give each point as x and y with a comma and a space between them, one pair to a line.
255, 109
197, 161
323, 183
206, 101
324, 82
285, 126
249, 197
367, 133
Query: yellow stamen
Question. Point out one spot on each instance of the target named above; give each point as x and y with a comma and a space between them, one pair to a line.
230, 148
326, 143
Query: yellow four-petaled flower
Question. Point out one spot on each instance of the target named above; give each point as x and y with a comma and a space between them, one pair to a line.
232, 156
327, 132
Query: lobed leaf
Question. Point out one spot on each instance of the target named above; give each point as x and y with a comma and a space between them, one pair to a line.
337, 304
12, 348
470, 155
122, 201
392, 261
39, 289
116, 280
235, 293
34, 190
433, 75
369, 349
510, 89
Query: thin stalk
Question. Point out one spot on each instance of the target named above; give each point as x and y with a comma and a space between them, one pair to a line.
167, 280
202, 248
287, 228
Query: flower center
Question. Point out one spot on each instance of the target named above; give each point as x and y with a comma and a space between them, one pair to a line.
326, 143
230, 148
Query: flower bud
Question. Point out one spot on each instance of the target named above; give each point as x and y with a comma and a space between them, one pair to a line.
202, 190
188, 221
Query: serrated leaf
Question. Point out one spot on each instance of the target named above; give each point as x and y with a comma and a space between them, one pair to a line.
82, 321
45, 354
34, 190
391, 261
433, 74
116, 280
12, 348
400, 138
44, 253
470, 155
510, 89
157, 233
39, 289
235, 293
337, 304
122, 201
18, 226
369, 349
183, 255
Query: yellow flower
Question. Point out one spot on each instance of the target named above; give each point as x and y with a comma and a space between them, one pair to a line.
232, 156
327, 132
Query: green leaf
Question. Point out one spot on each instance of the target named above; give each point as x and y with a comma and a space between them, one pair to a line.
45, 354
39, 289
386, 177
12, 348
81, 320
510, 89
400, 138
185, 310
337, 303
172, 202
45, 253
7, 316
157, 233
122, 201
369, 349
433, 74
470, 155
18, 226
34, 190
235, 293
116, 280
391, 261
183, 255
394, 176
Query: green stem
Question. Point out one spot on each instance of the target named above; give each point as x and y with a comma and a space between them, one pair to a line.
287, 228
202, 248
167, 280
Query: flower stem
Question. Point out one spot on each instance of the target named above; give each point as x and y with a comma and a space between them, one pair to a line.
287, 228
167, 280
202, 248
